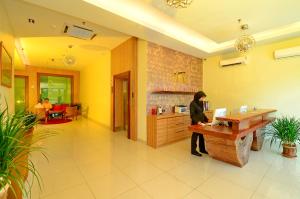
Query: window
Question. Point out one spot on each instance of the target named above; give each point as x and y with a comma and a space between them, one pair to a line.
57, 88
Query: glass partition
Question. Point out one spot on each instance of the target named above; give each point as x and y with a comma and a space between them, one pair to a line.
57, 88
20, 94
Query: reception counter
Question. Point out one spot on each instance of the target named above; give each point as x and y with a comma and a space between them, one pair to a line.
232, 143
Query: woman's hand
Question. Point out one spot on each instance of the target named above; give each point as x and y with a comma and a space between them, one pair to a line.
200, 123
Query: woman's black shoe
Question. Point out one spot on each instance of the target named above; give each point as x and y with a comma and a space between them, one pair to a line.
197, 153
204, 152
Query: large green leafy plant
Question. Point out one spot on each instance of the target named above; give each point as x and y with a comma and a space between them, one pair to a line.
285, 129
15, 146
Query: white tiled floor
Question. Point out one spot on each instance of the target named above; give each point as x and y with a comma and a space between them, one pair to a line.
87, 161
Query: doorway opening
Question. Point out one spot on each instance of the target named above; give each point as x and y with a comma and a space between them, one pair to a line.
21, 93
121, 103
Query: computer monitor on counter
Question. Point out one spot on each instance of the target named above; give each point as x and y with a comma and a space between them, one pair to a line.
219, 112
243, 109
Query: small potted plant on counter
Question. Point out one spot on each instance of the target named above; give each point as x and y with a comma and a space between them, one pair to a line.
286, 130
17, 141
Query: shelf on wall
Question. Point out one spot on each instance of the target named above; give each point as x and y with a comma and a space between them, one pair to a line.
174, 92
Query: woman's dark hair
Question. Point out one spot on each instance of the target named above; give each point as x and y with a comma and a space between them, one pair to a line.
198, 95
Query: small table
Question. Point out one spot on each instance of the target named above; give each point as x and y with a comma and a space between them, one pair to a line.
55, 114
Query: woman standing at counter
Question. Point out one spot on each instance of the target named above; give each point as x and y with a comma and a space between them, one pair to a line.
198, 117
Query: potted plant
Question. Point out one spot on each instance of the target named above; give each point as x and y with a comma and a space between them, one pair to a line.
287, 131
15, 146
3, 192
30, 120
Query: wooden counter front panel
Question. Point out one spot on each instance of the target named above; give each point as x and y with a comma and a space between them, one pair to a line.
164, 130
258, 140
178, 128
161, 132
235, 152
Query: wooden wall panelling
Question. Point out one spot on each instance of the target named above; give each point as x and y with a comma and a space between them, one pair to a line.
124, 58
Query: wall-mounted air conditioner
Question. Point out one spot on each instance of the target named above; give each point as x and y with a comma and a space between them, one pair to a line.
287, 52
234, 61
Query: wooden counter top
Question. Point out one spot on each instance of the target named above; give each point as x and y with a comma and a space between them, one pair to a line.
237, 118
227, 132
169, 115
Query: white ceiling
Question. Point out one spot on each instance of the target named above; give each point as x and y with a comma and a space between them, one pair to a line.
202, 29
45, 44
217, 19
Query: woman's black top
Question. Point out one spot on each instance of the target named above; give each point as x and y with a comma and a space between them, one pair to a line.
196, 111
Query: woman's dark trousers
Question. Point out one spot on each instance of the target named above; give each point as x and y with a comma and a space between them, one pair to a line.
201, 143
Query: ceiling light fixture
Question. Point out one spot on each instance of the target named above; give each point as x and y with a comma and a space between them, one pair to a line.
68, 59
179, 3
245, 42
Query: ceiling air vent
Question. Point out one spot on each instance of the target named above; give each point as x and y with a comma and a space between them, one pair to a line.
79, 32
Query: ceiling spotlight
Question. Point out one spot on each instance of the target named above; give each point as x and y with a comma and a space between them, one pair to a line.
31, 21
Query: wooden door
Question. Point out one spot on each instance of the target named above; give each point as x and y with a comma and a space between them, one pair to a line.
121, 103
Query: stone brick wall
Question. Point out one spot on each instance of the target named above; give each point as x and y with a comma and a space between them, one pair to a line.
168, 69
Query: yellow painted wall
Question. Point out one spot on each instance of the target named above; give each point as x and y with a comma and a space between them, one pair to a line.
18, 63
142, 89
7, 37
263, 83
95, 89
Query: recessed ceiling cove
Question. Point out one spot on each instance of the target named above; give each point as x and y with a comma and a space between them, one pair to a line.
202, 28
